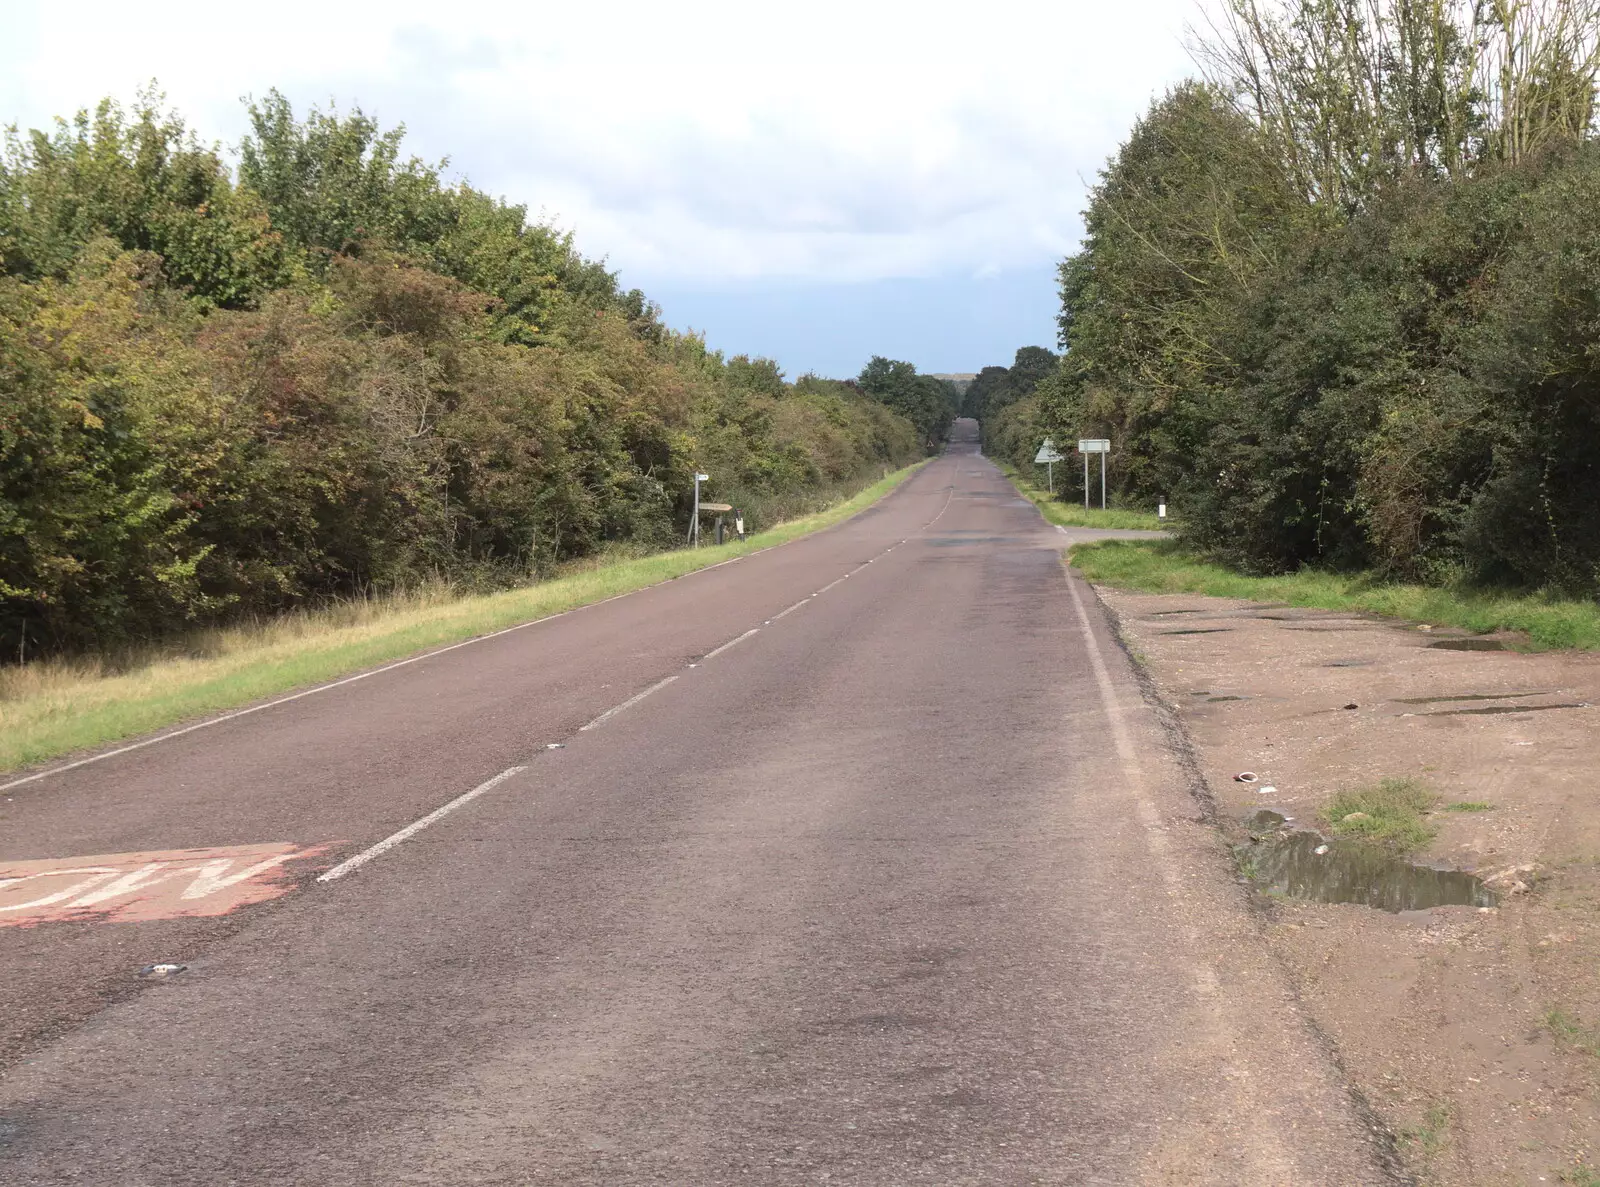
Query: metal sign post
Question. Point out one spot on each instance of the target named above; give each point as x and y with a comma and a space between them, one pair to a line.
1048, 455
1086, 446
694, 520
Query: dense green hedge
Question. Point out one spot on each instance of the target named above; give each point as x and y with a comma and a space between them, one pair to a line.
1353, 333
232, 392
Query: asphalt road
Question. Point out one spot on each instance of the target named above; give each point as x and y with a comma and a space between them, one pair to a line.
904, 886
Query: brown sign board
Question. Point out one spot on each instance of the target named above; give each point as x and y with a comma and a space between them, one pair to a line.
716, 506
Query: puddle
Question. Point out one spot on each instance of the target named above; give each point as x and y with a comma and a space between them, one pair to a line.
1288, 863
1471, 696
1488, 709
1201, 630
1468, 645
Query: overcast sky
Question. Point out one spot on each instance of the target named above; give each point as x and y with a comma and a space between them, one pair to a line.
815, 182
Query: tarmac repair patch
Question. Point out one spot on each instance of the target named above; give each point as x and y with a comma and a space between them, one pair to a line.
158, 884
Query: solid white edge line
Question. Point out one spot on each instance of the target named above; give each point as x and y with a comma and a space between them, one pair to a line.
306, 692
389, 667
627, 704
355, 863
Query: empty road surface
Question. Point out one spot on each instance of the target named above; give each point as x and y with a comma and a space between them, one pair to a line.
858, 861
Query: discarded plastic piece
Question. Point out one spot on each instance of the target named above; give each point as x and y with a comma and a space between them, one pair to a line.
1320, 850
555, 745
1267, 790
162, 970
1246, 777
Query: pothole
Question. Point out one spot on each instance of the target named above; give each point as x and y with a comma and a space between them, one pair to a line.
1468, 645
1486, 710
1471, 696
1200, 630
1287, 862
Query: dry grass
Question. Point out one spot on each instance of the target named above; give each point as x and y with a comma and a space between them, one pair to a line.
52, 708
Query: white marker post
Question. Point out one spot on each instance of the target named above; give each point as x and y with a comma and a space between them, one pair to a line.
1086, 446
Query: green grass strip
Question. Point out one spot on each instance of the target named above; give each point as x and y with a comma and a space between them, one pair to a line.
1165, 566
1391, 813
1072, 515
54, 710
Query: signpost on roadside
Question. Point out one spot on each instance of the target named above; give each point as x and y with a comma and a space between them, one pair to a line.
1086, 446
694, 520
1048, 456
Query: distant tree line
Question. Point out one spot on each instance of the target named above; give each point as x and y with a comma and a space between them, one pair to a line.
926, 401
1340, 297
230, 390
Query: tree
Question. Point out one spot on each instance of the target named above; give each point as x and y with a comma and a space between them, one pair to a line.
928, 403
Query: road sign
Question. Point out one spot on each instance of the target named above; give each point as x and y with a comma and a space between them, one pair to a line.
1086, 446
1047, 453
716, 506
694, 516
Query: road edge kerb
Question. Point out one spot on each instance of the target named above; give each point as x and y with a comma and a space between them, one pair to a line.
1385, 1141
27, 773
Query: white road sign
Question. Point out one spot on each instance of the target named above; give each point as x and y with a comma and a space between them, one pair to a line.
1047, 453
1094, 445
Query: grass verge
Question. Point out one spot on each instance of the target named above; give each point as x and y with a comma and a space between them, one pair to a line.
54, 708
1070, 515
1165, 566
1390, 814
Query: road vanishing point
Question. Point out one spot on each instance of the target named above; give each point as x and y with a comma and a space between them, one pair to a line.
861, 860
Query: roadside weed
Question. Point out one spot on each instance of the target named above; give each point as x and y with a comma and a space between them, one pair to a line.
1571, 1034
1468, 806
1390, 813
1429, 1135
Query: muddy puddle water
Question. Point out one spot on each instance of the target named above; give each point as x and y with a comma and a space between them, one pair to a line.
1286, 861
1469, 645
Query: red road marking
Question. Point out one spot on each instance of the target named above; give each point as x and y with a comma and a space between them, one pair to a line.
158, 884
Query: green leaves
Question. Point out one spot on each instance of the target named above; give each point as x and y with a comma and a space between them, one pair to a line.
928, 403
337, 374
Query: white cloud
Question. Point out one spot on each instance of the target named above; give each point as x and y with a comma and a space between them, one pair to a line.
693, 142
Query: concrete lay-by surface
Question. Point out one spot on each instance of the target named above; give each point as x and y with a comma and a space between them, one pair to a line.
874, 866
1475, 1033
